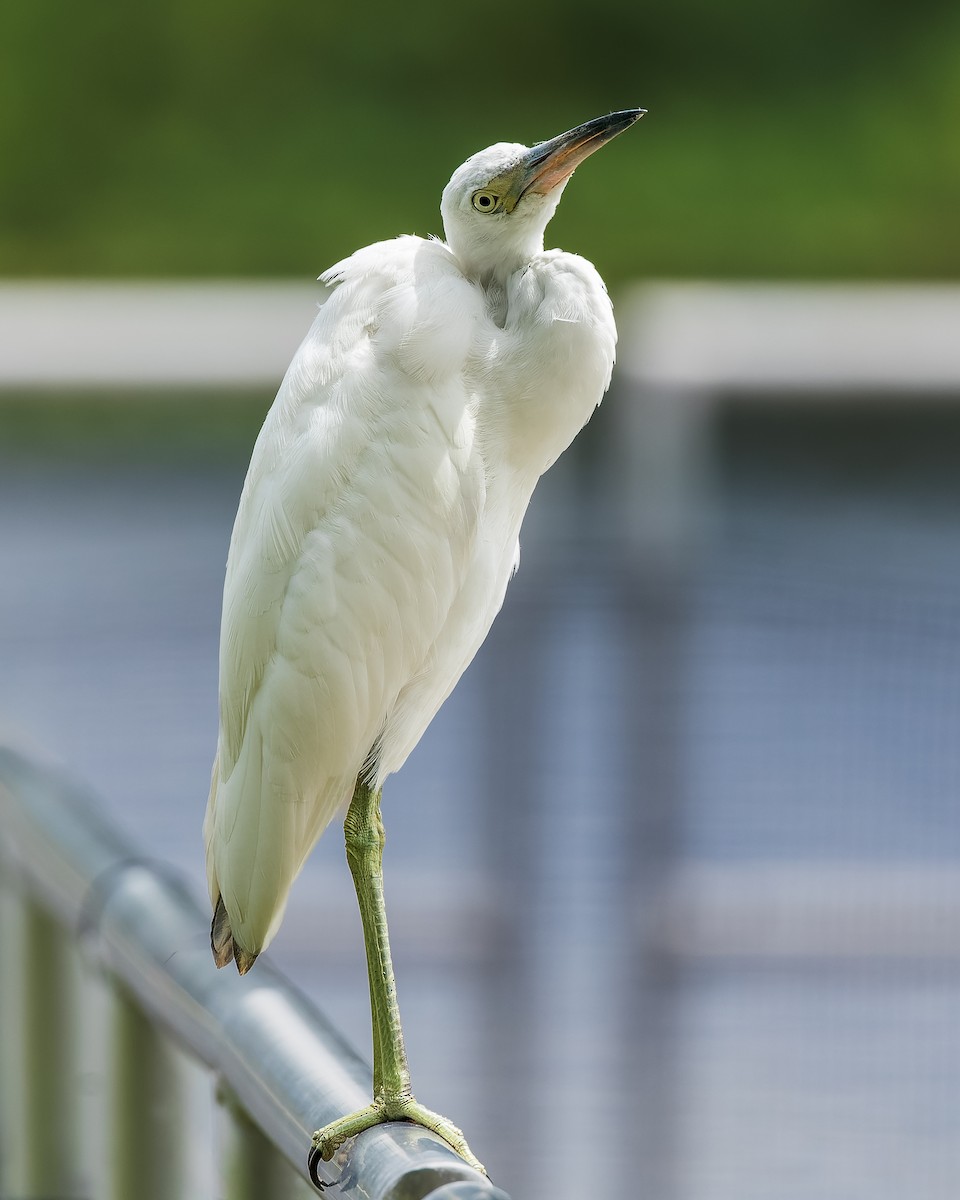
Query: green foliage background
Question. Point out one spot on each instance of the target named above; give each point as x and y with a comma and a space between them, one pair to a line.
198, 137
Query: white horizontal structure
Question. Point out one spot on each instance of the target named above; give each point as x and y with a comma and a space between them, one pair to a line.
777, 338
704, 336
82, 336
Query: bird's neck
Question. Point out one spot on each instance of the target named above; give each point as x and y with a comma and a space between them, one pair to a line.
491, 264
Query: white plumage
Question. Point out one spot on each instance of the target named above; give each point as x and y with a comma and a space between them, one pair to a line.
379, 521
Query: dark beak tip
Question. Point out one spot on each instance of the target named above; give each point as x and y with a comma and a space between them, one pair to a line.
617, 122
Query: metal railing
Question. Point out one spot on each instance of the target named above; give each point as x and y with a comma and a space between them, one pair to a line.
116, 1033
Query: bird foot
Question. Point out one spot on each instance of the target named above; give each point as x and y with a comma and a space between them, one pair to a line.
327, 1141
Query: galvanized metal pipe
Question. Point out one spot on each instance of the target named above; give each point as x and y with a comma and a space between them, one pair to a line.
286, 1066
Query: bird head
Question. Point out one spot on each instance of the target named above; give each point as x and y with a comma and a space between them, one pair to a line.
496, 206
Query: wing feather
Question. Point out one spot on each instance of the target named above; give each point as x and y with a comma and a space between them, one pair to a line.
354, 534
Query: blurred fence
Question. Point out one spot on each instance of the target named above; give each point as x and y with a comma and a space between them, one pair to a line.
688, 348
116, 1029
801, 714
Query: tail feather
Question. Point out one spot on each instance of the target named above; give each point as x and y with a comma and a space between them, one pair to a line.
223, 943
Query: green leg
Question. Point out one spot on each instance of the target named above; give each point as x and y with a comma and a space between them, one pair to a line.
393, 1098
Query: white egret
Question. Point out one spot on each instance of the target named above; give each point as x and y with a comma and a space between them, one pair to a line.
376, 534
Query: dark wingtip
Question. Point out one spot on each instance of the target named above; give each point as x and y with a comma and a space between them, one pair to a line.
221, 936
243, 959
224, 944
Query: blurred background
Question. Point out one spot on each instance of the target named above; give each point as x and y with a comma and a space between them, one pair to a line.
675, 875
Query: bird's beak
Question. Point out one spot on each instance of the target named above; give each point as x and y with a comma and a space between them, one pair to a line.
548, 164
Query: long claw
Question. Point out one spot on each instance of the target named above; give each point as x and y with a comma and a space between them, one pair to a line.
327, 1141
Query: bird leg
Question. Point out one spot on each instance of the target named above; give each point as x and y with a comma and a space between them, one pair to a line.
393, 1098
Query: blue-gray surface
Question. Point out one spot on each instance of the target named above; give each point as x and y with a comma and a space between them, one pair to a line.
795, 697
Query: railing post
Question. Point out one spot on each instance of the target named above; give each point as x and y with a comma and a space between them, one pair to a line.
41, 1155
146, 1107
251, 1167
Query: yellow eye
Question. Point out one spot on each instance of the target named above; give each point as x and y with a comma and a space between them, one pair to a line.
485, 202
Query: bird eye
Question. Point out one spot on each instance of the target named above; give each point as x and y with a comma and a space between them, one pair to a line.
485, 201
